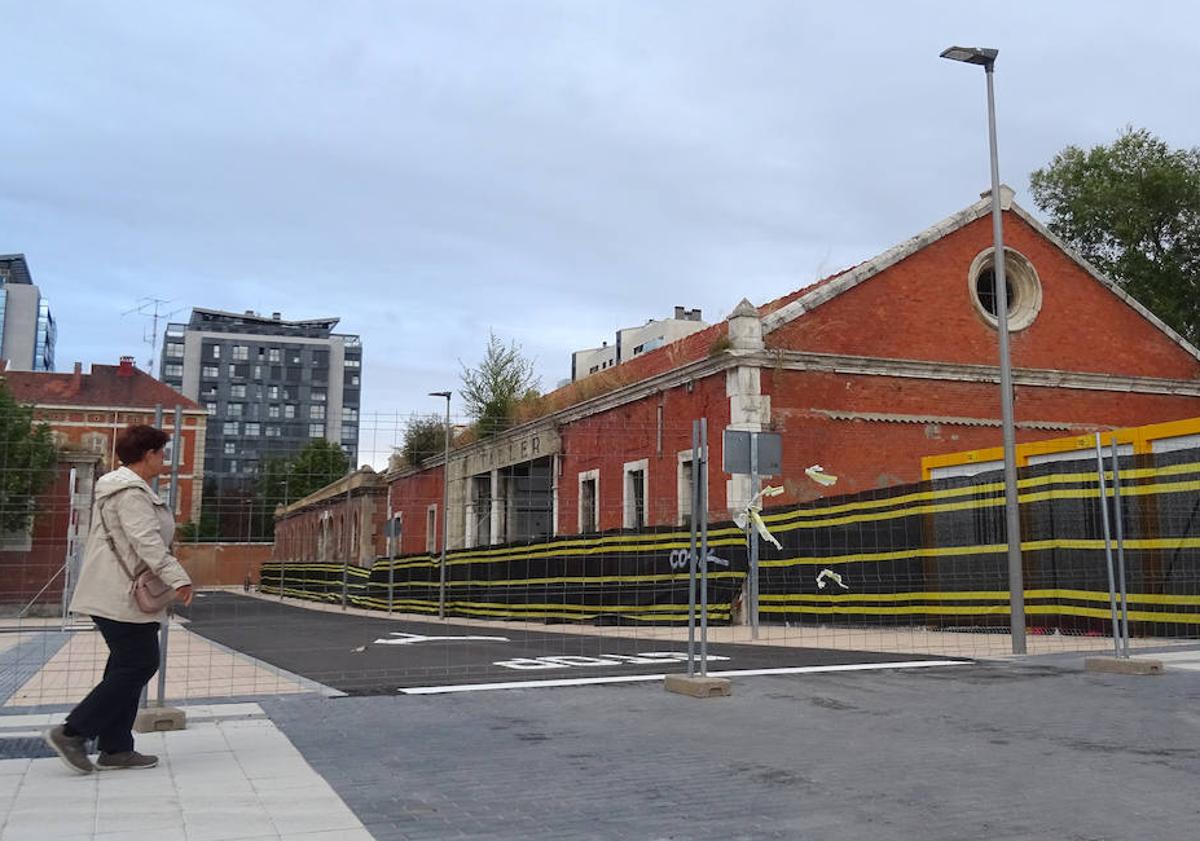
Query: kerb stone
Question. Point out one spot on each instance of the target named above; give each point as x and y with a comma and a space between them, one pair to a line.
698, 687
1123, 666
158, 719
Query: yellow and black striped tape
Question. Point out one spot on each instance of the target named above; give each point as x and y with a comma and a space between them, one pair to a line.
922, 503
566, 611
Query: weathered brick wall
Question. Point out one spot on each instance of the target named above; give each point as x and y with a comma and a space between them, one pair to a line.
24, 572
298, 537
607, 441
223, 564
94, 431
412, 496
874, 454
921, 308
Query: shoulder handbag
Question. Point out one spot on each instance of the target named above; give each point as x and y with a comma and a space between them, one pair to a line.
150, 593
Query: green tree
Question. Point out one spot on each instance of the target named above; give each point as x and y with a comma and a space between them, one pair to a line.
424, 436
273, 487
492, 390
282, 481
1132, 208
27, 459
315, 466
205, 529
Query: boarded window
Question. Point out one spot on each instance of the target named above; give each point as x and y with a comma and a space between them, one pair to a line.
587, 506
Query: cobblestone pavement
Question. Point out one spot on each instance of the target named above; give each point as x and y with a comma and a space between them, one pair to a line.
1036, 750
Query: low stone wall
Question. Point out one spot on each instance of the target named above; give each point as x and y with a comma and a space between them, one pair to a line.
223, 564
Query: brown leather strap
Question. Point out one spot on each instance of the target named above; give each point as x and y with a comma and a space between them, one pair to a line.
112, 544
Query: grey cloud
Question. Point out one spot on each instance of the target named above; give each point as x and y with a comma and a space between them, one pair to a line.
555, 170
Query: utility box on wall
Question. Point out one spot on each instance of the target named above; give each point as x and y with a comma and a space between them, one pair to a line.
738, 452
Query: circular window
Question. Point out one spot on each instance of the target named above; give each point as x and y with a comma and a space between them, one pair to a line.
1023, 288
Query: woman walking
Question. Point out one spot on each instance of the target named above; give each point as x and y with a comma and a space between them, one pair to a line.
131, 532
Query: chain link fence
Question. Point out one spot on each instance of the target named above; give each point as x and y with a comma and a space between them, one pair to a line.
572, 563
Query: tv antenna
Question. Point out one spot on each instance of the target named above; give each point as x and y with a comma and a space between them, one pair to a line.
151, 309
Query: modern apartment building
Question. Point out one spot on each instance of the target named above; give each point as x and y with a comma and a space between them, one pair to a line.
269, 386
634, 341
27, 329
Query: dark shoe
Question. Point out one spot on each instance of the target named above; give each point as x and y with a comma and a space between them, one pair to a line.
130, 759
72, 750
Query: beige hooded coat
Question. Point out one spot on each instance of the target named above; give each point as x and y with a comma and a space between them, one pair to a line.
142, 527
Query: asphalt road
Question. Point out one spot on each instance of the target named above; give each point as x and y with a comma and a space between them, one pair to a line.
1002, 751
365, 655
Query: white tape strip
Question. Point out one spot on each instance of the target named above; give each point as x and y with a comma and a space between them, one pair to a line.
818, 475
750, 516
832, 576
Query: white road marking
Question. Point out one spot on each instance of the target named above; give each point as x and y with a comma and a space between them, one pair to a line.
409, 639
586, 681
573, 661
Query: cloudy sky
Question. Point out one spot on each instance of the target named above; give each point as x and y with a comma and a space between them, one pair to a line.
550, 170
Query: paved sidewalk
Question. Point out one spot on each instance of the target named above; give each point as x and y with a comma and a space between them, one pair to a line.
1188, 661
52, 672
231, 775
23, 655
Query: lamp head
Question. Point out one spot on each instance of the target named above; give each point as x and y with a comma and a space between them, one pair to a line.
985, 56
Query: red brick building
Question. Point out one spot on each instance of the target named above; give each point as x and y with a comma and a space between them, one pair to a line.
34, 563
86, 413
345, 519
863, 373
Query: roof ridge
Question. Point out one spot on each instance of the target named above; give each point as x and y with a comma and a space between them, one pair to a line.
776, 303
1104, 280
818, 294
824, 291
100, 387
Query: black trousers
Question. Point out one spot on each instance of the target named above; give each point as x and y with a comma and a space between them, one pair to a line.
107, 713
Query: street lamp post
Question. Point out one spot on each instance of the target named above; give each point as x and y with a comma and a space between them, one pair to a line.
986, 57
445, 507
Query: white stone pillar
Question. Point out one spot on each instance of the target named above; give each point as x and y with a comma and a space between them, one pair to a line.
497, 501
749, 408
554, 471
